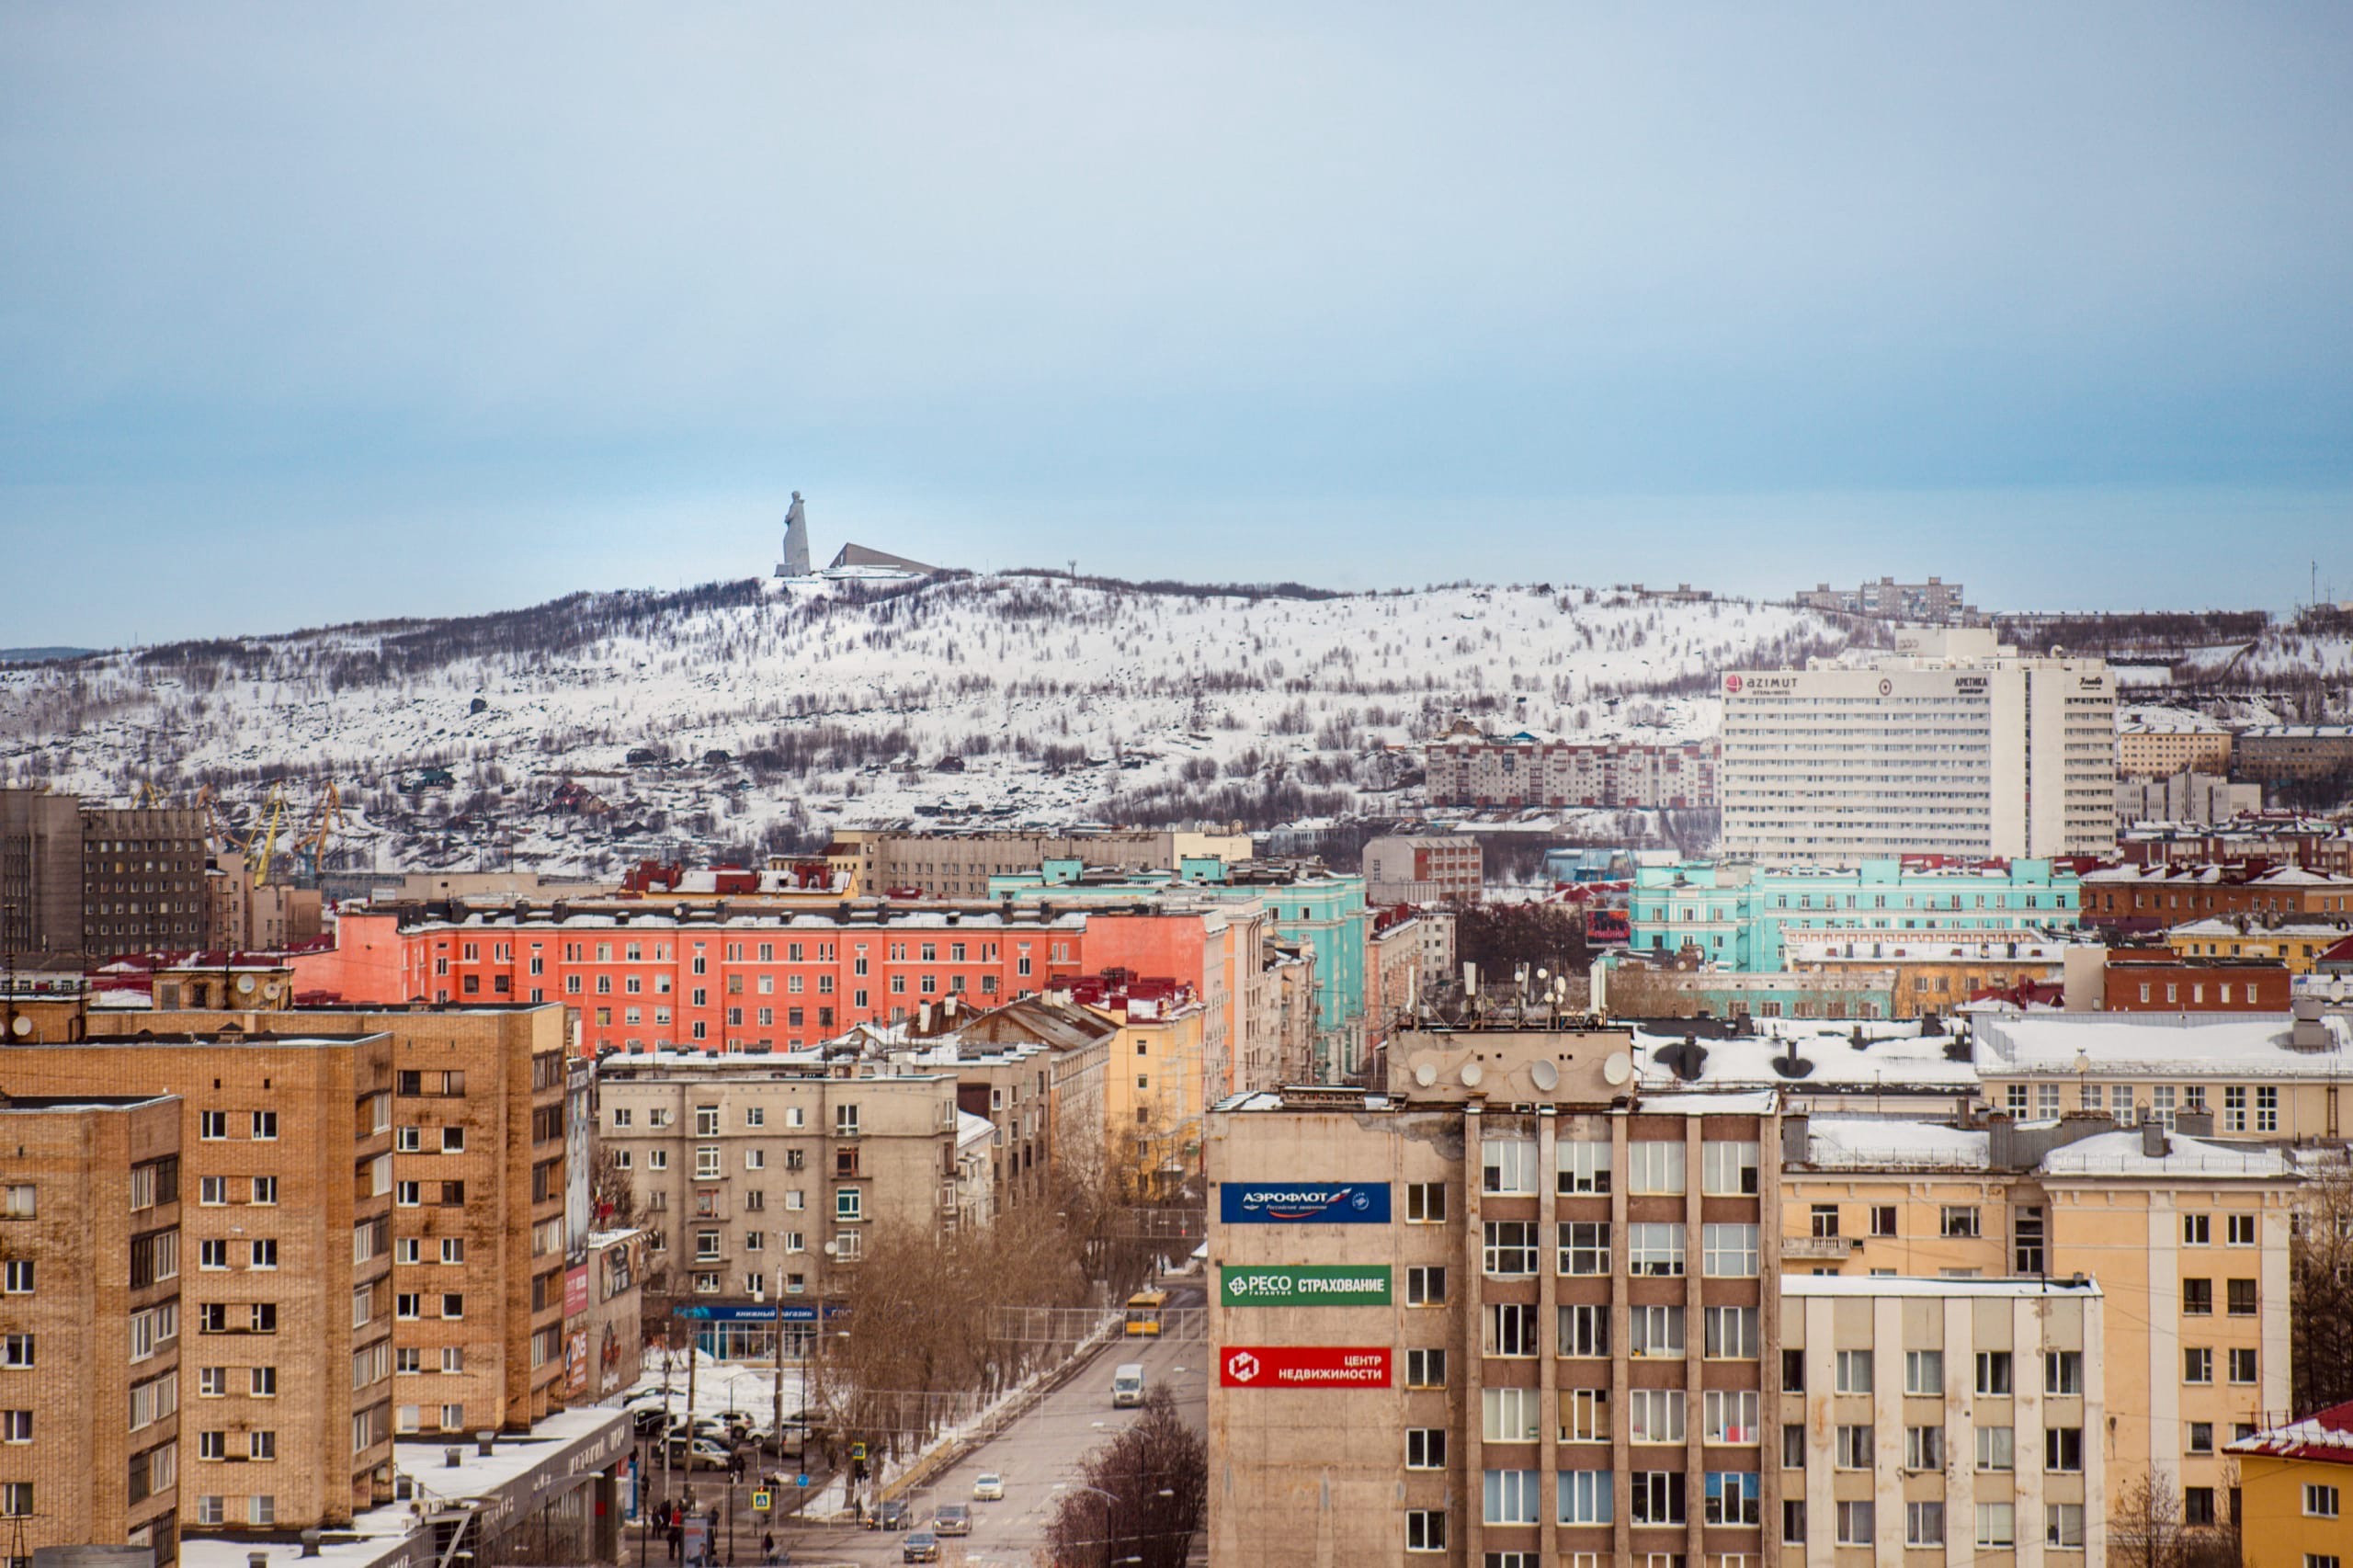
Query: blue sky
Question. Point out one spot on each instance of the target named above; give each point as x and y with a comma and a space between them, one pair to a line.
313, 313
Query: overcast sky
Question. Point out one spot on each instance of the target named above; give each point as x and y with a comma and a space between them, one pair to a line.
311, 312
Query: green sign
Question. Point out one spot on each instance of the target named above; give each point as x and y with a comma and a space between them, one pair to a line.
1305, 1285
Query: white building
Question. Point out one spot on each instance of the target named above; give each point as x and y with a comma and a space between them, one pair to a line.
1951, 745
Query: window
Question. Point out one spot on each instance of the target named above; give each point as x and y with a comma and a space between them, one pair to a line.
2241, 1229
1585, 1414
1655, 1331
212, 1191
265, 1190
1825, 1221
1728, 1169
1425, 1369
1654, 1416
1993, 1372
1511, 1497
1882, 1219
1658, 1498
2062, 1371
1794, 1519
1507, 1415
265, 1124
2267, 1110
2196, 1504
1426, 1529
2242, 1366
1731, 1333
1426, 1287
1585, 1247
1585, 1497
1793, 1371
2320, 1501
2198, 1297
1426, 1203
17, 1426
2062, 1526
1583, 1167
262, 1445
1996, 1524
1510, 1248
1729, 1415
2242, 1298
261, 1510
1655, 1167
848, 1204
1924, 1448
1851, 1448
1960, 1220
2201, 1437
16, 1500
2197, 1230
1852, 1371
1510, 1329
1508, 1165
2062, 1448
1924, 1523
1731, 1497
1996, 1448
1857, 1523
212, 1125
1426, 1448
1584, 1330
2197, 1365
1654, 1248
1924, 1373
1729, 1252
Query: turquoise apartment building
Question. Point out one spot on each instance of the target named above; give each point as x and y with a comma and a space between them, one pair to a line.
1735, 912
1306, 906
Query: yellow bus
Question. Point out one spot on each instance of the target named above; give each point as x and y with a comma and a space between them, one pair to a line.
1143, 1311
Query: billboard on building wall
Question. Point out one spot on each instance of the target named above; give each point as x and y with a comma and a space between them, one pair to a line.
1303, 1366
576, 1292
1303, 1285
1303, 1203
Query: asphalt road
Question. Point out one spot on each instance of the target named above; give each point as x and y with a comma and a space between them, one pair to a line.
1039, 1455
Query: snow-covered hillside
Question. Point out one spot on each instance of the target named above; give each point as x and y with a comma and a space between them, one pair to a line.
1001, 700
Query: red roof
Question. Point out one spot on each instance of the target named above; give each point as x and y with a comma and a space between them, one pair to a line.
2325, 1437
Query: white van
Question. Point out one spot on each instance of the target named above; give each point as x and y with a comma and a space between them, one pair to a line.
1127, 1385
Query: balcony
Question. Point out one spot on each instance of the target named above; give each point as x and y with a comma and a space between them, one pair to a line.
1818, 1249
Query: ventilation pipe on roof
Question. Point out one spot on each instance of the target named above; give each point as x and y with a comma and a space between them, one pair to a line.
2155, 1144
2307, 1030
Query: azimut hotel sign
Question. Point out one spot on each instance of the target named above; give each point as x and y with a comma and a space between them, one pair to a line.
1303, 1366
1303, 1203
1303, 1285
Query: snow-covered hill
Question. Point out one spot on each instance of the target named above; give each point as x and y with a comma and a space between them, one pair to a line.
1001, 700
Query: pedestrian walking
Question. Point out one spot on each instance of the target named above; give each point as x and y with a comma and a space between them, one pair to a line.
676, 1537
767, 1551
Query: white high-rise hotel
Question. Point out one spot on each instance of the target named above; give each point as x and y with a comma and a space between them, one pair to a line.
1951, 745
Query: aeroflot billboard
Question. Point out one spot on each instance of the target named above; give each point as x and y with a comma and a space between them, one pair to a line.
1303, 1202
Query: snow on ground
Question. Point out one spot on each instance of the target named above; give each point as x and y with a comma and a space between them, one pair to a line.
1050, 702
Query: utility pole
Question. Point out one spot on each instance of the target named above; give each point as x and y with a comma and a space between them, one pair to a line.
776, 1420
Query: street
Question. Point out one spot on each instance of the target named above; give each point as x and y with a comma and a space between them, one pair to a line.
1037, 1455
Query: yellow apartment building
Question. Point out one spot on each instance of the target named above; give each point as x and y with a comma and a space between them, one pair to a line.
2296, 1491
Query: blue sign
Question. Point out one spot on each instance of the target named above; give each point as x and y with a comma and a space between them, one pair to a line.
754, 1312
1303, 1203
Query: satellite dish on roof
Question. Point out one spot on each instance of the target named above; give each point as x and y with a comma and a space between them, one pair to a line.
1617, 1068
245, 982
1547, 1076
1425, 1073
21, 1024
1472, 1073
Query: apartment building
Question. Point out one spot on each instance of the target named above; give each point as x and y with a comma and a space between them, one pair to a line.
1073, 1045
2201, 798
2282, 752
1506, 1310
1962, 1417
1155, 1081
758, 1176
2158, 751
1941, 975
1464, 767
144, 885
2158, 980
959, 865
2266, 1078
1953, 746
243, 918
1934, 600
2250, 840
1409, 954
2296, 1482
1429, 867
479, 1169
2158, 896
1742, 916
91, 1322
286, 1288
2186, 1238
41, 872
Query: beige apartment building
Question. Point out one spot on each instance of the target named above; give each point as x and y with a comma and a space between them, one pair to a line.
476, 1294
2160, 751
286, 1228
758, 1176
1505, 1311
1942, 1420
91, 1322
959, 865
2260, 1077
2188, 1241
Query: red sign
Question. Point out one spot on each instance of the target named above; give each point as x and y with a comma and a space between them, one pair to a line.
1303, 1366
575, 1292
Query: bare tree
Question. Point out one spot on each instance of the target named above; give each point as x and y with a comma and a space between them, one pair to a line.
612, 1199
2320, 1311
1143, 1498
2149, 1529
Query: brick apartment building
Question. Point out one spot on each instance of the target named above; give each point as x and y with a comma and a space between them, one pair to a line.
2158, 980
99, 879
1541, 1313
1473, 769
2156, 896
91, 1320
1429, 867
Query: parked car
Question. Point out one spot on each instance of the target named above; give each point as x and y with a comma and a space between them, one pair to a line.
921, 1547
894, 1515
698, 1453
953, 1519
650, 1421
988, 1487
